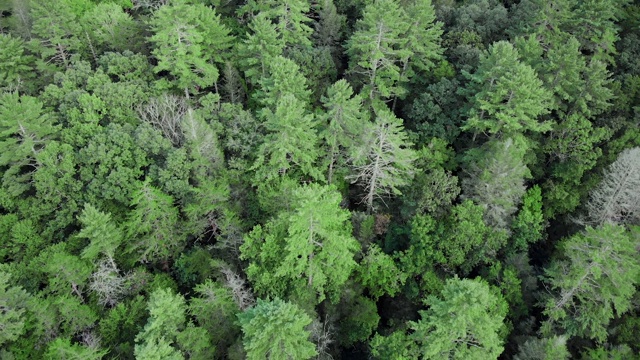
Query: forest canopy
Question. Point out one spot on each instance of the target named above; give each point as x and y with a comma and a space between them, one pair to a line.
331, 179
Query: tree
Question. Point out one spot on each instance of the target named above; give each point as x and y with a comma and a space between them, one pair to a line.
595, 280
379, 273
616, 200
290, 146
495, 181
167, 325
276, 330
259, 48
58, 33
13, 302
423, 38
343, 121
508, 97
528, 226
25, 129
464, 322
283, 77
109, 27
62, 348
542, 349
460, 240
215, 310
15, 65
308, 248
153, 225
384, 162
104, 236
376, 48
474, 331
189, 41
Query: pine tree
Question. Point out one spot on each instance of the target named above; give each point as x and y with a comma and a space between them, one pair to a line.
473, 333
384, 162
464, 322
189, 41
344, 121
508, 95
290, 146
15, 65
261, 46
594, 282
617, 199
25, 129
308, 249
276, 330
495, 180
153, 226
13, 301
423, 38
376, 49
104, 236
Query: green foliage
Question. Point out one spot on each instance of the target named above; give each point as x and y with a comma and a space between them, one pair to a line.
508, 97
308, 248
462, 240
102, 233
594, 282
153, 225
357, 318
13, 301
473, 332
376, 48
189, 40
384, 161
63, 349
378, 272
528, 226
15, 65
276, 330
343, 121
25, 129
546, 348
166, 326
290, 146
496, 174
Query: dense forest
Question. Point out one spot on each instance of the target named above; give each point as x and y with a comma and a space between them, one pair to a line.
327, 179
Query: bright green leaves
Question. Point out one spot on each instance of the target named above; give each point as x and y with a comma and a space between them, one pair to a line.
309, 247
276, 330
390, 43
462, 240
508, 95
288, 17
290, 146
189, 41
259, 48
528, 226
594, 282
378, 272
